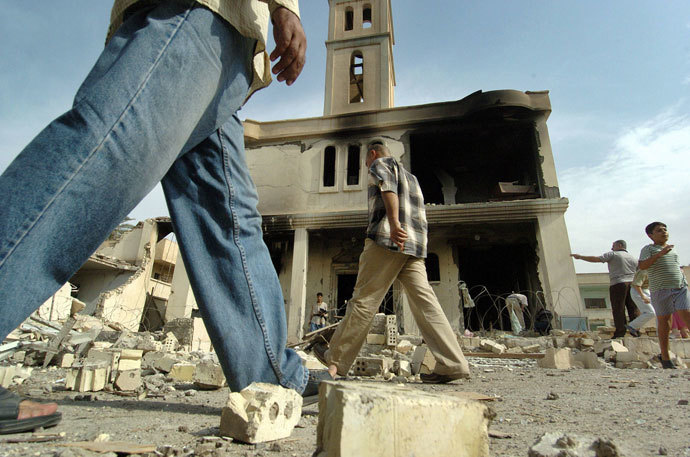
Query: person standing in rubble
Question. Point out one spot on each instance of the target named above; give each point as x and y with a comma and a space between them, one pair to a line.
395, 248
319, 311
516, 304
639, 291
161, 104
622, 267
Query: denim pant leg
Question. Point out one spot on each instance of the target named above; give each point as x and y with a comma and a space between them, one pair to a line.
212, 201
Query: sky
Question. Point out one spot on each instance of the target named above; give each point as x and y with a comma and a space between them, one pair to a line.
618, 73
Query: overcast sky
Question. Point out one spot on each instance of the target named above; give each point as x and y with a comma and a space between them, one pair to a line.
618, 73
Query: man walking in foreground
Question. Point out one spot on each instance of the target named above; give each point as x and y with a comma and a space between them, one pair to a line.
160, 104
395, 248
622, 267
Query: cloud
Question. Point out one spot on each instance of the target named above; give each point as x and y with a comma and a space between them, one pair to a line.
643, 178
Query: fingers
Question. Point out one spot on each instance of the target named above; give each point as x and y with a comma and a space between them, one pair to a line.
291, 46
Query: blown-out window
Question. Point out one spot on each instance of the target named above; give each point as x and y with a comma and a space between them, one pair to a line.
356, 77
353, 164
328, 177
349, 19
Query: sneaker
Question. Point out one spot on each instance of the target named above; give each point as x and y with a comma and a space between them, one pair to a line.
633, 331
668, 364
311, 391
319, 351
435, 378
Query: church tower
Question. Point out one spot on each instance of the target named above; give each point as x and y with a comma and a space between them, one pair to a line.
359, 61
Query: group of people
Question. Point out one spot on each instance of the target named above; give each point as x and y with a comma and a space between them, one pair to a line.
652, 286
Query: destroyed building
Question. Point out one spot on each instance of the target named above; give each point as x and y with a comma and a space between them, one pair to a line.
485, 165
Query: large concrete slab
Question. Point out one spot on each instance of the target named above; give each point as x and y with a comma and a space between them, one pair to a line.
374, 419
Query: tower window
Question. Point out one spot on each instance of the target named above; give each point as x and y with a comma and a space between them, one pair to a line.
366, 16
433, 271
349, 19
353, 165
329, 166
356, 77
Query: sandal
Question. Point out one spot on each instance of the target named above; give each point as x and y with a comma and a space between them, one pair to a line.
9, 410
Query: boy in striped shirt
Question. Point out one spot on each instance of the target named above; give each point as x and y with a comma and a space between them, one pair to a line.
667, 284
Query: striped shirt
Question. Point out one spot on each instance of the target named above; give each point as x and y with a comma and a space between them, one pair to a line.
249, 17
665, 273
387, 175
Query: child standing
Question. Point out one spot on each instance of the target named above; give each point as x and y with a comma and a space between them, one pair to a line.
667, 284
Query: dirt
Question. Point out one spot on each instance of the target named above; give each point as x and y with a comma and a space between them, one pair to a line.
644, 409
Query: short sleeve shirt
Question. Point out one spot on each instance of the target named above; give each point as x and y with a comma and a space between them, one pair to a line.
387, 175
622, 266
641, 279
665, 273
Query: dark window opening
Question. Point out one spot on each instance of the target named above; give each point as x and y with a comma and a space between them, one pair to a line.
433, 271
353, 165
356, 77
482, 160
346, 285
349, 19
595, 303
329, 166
366, 16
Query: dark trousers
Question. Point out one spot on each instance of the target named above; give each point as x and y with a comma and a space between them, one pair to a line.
620, 301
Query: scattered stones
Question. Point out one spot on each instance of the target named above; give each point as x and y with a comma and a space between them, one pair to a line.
558, 444
556, 358
552, 396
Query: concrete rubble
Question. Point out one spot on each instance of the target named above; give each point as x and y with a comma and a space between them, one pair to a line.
360, 420
559, 444
261, 412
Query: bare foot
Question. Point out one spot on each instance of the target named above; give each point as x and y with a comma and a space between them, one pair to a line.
29, 409
333, 371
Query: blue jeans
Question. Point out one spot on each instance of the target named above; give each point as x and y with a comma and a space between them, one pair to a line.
160, 104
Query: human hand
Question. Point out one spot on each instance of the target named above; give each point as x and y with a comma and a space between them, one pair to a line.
665, 250
576, 256
291, 45
398, 235
646, 299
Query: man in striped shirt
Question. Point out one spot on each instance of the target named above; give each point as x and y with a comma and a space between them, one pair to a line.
667, 284
395, 248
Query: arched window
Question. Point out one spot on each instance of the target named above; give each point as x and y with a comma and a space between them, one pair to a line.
366, 16
433, 271
329, 166
356, 77
349, 18
352, 165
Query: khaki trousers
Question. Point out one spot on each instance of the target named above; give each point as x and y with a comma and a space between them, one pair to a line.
378, 268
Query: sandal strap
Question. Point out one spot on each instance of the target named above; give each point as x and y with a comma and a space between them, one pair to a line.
9, 404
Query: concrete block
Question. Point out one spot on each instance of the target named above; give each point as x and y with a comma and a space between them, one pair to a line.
391, 335
618, 347
375, 338
556, 358
362, 420
18, 357
261, 412
8, 374
423, 360
532, 348
370, 366
492, 346
589, 360
182, 372
67, 360
201, 341
209, 375
87, 379
514, 350
130, 359
586, 343
404, 347
128, 380
170, 343
103, 357
402, 368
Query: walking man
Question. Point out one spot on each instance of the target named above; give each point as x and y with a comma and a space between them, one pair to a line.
622, 267
395, 248
160, 104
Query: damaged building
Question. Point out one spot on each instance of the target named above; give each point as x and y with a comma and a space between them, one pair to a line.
484, 163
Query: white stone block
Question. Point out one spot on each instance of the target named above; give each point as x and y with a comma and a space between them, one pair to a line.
362, 420
209, 375
370, 366
182, 372
261, 412
404, 347
128, 380
375, 338
556, 358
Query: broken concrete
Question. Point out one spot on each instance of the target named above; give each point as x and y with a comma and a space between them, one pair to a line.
567, 445
359, 420
209, 375
128, 380
261, 412
556, 358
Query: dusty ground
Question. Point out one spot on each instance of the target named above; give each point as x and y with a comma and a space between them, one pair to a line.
645, 409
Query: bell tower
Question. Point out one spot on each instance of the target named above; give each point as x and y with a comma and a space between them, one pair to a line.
359, 56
